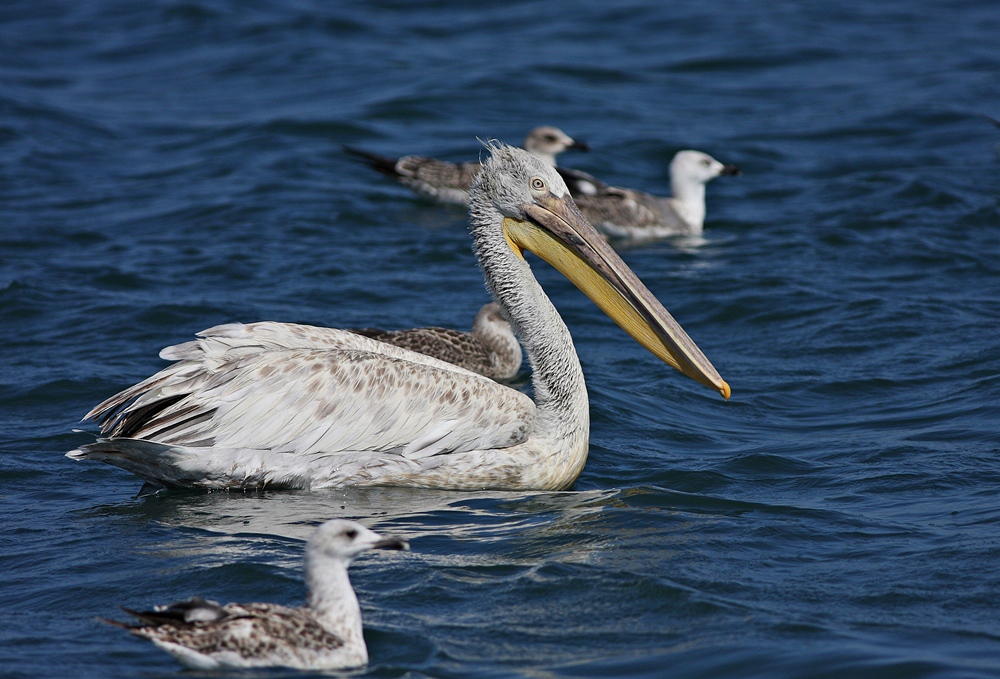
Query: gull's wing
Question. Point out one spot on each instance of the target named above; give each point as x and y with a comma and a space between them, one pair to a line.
257, 634
454, 346
305, 390
581, 183
618, 209
437, 178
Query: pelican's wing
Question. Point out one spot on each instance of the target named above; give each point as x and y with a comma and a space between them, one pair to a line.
305, 390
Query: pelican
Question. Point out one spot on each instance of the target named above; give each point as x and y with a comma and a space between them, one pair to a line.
450, 182
290, 406
627, 213
324, 635
490, 349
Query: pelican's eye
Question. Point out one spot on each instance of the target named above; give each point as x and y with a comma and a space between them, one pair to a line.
537, 184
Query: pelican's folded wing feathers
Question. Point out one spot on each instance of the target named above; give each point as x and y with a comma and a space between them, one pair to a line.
306, 390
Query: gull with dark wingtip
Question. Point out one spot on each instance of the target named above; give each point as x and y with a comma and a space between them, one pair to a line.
450, 182
326, 634
291, 406
628, 213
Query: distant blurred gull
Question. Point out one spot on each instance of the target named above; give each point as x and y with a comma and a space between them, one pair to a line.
490, 349
325, 634
628, 213
450, 182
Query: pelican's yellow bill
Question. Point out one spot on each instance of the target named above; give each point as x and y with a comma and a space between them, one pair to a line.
593, 266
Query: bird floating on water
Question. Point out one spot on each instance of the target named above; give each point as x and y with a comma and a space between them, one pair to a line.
450, 182
627, 213
325, 634
291, 406
490, 349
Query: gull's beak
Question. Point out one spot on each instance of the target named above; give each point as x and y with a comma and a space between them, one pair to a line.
556, 231
391, 543
730, 169
581, 145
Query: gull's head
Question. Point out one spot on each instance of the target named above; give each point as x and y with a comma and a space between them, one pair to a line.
343, 540
491, 316
547, 142
519, 203
695, 167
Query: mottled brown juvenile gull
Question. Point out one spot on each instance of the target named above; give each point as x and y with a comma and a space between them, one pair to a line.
628, 213
450, 182
490, 349
293, 406
323, 635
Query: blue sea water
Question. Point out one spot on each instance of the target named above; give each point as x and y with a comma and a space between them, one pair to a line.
166, 166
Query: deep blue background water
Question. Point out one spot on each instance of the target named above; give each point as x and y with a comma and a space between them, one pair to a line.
167, 166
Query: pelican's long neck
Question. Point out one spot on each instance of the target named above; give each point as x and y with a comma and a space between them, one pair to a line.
333, 600
688, 197
563, 411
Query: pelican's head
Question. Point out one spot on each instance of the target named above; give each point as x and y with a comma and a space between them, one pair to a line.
547, 142
342, 540
530, 202
698, 167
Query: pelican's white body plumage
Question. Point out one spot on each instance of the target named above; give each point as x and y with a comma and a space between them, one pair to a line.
325, 634
293, 406
282, 405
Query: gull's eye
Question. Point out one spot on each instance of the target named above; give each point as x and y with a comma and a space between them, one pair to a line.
537, 184
351, 533
706, 162
550, 137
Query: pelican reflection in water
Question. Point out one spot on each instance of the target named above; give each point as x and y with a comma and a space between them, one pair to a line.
292, 406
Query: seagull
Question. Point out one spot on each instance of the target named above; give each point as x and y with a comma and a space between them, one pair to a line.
627, 213
280, 405
490, 349
450, 182
323, 635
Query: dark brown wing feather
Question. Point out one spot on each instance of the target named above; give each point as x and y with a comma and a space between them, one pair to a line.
456, 347
627, 208
270, 627
438, 173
